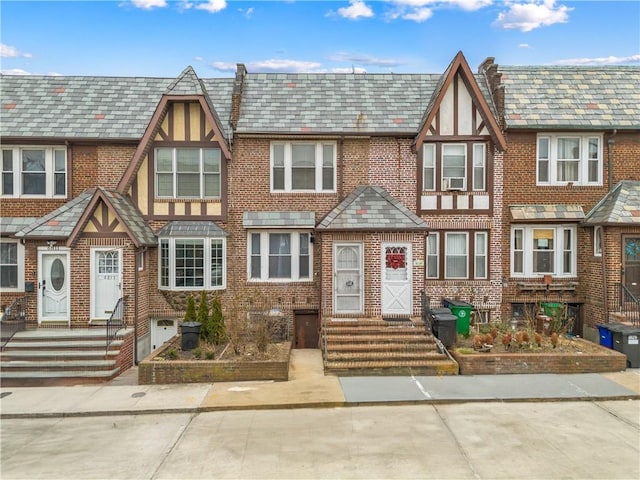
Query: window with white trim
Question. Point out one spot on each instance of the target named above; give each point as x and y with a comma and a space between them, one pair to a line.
465, 255
192, 263
569, 158
279, 256
454, 170
188, 172
539, 250
303, 166
597, 241
34, 171
11, 266
454, 166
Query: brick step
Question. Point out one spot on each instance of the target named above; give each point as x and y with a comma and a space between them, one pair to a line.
61, 365
399, 356
376, 339
426, 346
40, 355
372, 322
373, 330
56, 378
388, 368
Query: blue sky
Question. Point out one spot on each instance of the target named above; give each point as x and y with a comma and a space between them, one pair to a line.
159, 38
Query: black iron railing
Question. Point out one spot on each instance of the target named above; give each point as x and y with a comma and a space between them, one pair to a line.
426, 310
627, 305
116, 321
14, 320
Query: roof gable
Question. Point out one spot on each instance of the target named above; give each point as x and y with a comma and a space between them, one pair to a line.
459, 66
370, 208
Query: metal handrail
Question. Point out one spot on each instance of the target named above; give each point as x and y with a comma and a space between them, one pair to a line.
628, 304
14, 320
116, 321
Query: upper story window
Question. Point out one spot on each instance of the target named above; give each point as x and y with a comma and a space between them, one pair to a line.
34, 171
569, 158
279, 256
455, 172
188, 172
464, 255
303, 166
11, 266
192, 263
539, 250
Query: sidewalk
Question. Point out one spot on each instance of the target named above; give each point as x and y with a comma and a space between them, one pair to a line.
308, 387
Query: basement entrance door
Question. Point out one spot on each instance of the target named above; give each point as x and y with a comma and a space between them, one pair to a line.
53, 286
106, 285
396, 279
631, 258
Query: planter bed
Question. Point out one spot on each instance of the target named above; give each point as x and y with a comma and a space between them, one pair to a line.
594, 359
156, 370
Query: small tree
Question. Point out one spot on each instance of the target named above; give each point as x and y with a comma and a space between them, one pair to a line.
203, 315
216, 330
190, 314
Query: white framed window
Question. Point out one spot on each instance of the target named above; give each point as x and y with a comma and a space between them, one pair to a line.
11, 266
597, 241
569, 158
465, 255
479, 167
34, 171
454, 166
428, 166
303, 166
141, 260
433, 255
538, 250
188, 172
279, 256
192, 263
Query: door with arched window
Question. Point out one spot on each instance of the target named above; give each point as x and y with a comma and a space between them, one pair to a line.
53, 286
348, 278
106, 285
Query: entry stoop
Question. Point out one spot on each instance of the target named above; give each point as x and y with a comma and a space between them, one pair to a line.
48, 357
375, 347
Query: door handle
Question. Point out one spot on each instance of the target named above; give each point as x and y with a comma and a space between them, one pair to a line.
43, 286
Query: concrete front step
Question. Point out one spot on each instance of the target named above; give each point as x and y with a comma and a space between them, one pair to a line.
12, 355
61, 365
383, 347
399, 338
387, 368
400, 356
56, 378
60, 344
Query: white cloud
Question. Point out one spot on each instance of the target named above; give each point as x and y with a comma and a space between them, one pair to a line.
468, 5
212, 6
9, 51
149, 4
356, 9
14, 71
347, 70
610, 60
272, 65
532, 14
363, 59
418, 15
524, 45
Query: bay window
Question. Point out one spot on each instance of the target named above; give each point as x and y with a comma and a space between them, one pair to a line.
192, 263
303, 166
188, 172
279, 256
543, 250
569, 158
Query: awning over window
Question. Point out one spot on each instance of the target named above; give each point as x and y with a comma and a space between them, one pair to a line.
546, 213
182, 228
279, 219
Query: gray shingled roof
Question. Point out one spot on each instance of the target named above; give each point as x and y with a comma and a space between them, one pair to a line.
278, 219
11, 225
60, 223
371, 209
548, 213
620, 206
572, 97
92, 107
188, 228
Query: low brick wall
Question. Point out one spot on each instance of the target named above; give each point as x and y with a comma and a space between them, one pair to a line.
152, 371
606, 360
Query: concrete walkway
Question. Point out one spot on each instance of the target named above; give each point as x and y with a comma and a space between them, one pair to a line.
308, 387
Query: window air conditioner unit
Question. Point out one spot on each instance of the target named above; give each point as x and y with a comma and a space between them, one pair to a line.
453, 183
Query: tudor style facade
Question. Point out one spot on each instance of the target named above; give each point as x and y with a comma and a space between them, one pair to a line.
333, 196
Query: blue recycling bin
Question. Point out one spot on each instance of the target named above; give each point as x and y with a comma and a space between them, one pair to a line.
606, 336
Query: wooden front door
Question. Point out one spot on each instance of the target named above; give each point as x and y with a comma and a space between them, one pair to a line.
396, 279
631, 264
307, 329
107, 282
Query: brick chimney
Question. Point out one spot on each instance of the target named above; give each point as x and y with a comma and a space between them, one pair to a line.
489, 69
236, 95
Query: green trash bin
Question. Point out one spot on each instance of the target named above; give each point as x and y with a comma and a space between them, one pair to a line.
462, 310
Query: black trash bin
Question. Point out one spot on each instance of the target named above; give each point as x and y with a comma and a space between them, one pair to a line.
626, 340
190, 335
444, 328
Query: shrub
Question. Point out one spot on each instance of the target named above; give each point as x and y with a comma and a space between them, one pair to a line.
203, 316
190, 314
172, 354
215, 325
210, 355
197, 353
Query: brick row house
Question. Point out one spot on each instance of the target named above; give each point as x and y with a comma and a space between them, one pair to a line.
332, 197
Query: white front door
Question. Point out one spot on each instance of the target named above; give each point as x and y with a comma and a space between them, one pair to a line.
396, 279
348, 279
106, 285
53, 286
